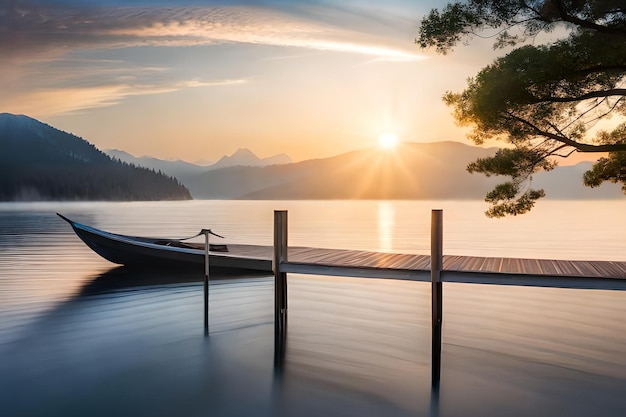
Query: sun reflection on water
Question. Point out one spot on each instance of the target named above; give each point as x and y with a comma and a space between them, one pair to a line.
386, 221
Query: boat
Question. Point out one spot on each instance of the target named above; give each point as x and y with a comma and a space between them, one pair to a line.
137, 251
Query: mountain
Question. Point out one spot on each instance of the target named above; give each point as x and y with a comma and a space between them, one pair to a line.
413, 171
183, 170
245, 157
177, 169
39, 162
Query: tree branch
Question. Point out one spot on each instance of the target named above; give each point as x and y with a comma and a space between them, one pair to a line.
601, 68
585, 23
582, 147
599, 117
567, 155
589, 110
594, 94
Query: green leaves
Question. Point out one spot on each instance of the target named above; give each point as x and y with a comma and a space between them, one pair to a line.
503, 205
444, 30
516, 163
519, 164
611, 168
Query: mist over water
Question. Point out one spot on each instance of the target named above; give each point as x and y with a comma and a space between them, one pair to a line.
80, 336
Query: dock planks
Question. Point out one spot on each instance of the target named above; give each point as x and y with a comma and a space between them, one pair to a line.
470, 269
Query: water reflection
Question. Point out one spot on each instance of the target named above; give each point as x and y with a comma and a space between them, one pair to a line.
125, 278
280, 345
126, 339
126, 334
386, 221
434, 401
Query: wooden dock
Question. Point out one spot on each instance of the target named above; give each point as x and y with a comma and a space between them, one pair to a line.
462, 269
437, 268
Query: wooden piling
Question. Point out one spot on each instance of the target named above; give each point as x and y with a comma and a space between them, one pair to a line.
280, 278
206, 281
436, 265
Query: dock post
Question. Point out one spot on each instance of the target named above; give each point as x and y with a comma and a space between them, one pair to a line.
206, 281
280, 286
436, 265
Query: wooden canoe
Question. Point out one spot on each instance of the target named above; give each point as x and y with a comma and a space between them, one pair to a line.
136, 251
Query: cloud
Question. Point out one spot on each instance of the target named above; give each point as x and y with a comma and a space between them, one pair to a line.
39, 29
39, 43
197, 83
48, 102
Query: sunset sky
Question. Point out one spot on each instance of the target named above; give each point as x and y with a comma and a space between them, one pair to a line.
196, 80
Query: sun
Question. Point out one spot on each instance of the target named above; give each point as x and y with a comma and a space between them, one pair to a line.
387, 141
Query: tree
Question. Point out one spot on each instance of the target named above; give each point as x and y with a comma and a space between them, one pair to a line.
545, 100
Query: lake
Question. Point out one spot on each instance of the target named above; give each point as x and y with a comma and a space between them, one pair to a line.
80, 336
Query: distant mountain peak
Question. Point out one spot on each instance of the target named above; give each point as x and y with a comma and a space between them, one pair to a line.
118, 153
245, 157
280, 159
244, 153
241, 157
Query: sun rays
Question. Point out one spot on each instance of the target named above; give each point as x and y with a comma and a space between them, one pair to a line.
388, 141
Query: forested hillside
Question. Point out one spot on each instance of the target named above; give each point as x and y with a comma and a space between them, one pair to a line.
39, 162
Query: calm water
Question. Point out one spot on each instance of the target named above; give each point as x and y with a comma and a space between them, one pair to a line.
79, 336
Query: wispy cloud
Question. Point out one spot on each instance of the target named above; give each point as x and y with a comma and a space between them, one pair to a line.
51, 101
197, 83
42, 29
39, 44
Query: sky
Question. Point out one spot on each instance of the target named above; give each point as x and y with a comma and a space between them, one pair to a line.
196, 80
